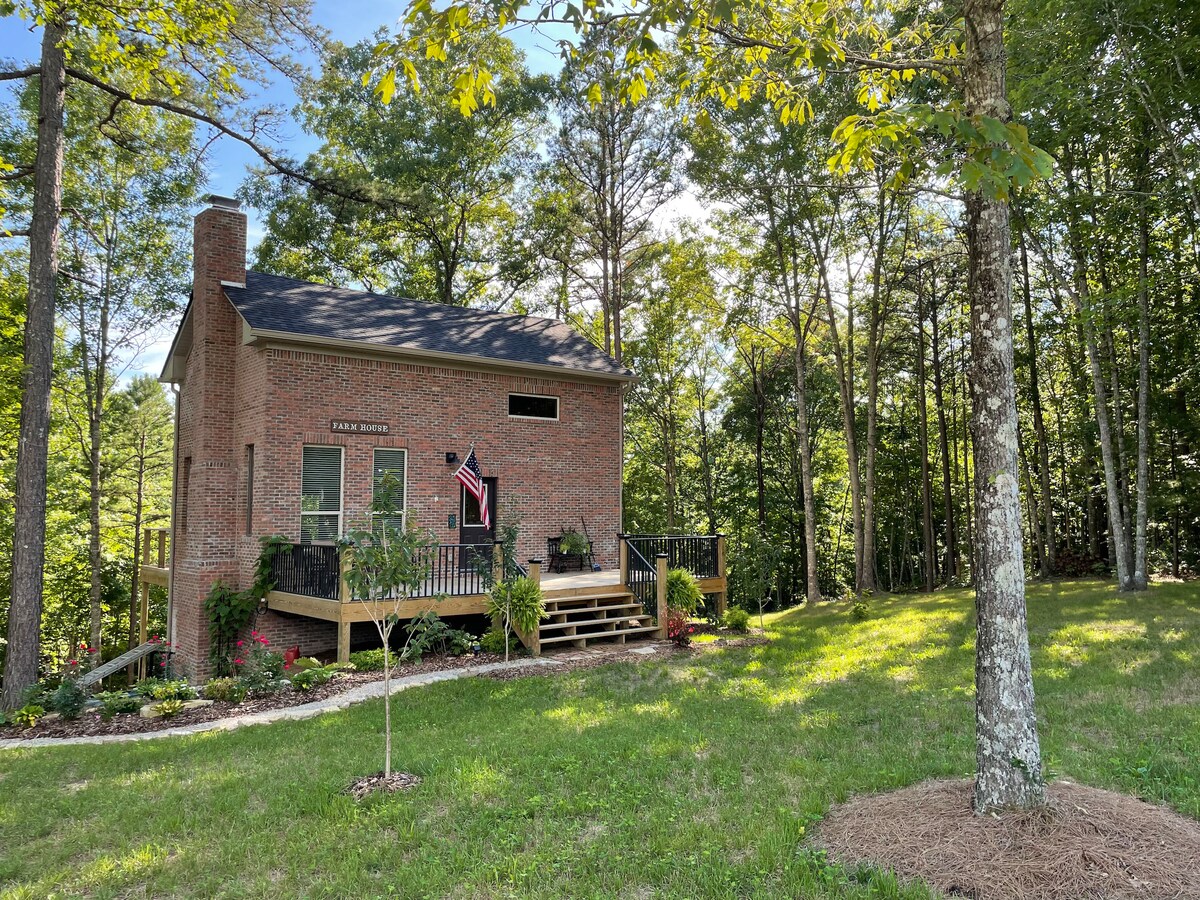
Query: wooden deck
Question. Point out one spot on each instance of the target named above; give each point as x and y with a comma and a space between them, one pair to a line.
578, 589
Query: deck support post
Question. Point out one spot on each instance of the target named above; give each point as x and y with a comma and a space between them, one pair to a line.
660, 587
623, 550
533, 640
723, 596
497, 562
343, 647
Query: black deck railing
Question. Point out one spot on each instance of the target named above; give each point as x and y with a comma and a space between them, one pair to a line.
308, 569
696, 553
314, 570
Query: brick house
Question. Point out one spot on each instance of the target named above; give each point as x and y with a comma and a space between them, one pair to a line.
294, 400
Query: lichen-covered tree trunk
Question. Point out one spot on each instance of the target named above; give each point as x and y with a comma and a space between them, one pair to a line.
1008, 755
29, 521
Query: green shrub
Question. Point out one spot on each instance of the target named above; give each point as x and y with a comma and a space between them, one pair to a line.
179, 689
115, 703
518, 604
169, 708
859, 610
683, 591
227, 689
368, 660
307, 679
68, 699
27, 716
737, 619
494, 642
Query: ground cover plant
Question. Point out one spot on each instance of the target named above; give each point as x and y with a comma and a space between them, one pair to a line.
700, 774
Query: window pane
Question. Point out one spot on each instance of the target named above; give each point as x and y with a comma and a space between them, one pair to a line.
388, 481
319, 527
470, 514
321, 480
533, 407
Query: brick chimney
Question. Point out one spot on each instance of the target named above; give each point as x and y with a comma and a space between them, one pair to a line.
206, 450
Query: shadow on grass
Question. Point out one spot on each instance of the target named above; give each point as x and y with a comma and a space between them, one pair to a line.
692, 776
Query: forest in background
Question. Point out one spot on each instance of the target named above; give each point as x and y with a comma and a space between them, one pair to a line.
802, 347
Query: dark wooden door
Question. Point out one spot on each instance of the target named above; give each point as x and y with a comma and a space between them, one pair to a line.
471, 530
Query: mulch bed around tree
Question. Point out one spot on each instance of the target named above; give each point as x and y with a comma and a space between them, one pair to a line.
90, 724
379, 783
1089, 844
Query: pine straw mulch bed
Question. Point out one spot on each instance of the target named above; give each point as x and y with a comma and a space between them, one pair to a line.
90, 724
1090, 844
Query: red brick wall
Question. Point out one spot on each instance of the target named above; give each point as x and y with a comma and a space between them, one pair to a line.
550, 473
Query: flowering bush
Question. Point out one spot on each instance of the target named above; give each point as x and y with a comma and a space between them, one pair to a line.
679, 628
258, 667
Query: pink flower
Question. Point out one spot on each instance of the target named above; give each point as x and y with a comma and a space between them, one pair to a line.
239, 643
162, 665
93, 650
288, 666
74, 662
237, 662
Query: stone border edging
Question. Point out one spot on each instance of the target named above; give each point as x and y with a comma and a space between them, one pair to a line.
358, 694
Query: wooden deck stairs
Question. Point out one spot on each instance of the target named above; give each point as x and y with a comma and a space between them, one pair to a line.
606, 614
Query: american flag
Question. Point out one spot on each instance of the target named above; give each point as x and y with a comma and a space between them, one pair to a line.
471, 477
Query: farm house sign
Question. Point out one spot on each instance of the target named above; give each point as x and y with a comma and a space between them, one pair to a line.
342, 426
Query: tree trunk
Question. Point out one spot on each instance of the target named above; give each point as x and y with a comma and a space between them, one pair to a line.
1082, 291
1009, 766
846, 386
1039, 424
950, 569
812, 583
135, 587
29, 521
923, 436
1140, 575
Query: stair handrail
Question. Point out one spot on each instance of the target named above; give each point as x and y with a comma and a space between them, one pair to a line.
642, 580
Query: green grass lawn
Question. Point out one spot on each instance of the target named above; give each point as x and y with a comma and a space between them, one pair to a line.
694, 777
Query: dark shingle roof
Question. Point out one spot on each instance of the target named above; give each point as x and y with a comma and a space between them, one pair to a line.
286, 305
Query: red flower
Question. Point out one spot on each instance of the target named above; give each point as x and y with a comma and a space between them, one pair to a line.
239, 643
237, 662
74, 662
93, 650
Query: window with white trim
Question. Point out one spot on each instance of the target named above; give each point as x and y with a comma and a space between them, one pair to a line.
388, 481
321, 494
532, 406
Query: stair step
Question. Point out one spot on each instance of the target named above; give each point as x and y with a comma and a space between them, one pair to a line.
590, 598
592, 609
620, 632
546, 625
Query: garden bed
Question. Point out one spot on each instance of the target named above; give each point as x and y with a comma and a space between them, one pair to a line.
91, 724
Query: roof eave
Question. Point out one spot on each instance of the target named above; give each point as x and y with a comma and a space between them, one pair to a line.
252, 335
172, 371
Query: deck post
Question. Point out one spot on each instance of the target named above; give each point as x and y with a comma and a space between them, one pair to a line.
660, 587
623, 548
723, 596
146, 546
343, 585
343, 648
497, 562
534, 640
162, 548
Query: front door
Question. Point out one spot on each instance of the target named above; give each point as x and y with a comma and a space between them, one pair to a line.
471, 530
